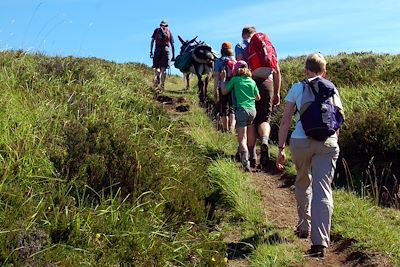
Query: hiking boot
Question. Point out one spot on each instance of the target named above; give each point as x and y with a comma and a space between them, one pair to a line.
264, 157
246, 165
253, 163
237, 156
316, 251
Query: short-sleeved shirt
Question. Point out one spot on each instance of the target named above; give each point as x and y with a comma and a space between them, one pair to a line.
171, 38
294, 96
245, 90
241, 49
219, 65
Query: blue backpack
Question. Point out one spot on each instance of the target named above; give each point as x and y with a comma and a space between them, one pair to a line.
318, 114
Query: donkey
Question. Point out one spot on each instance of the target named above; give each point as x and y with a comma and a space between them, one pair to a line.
200, 62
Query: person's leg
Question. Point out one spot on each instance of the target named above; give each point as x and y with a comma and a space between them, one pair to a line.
263, 117
251, 137
323, 170
251, 144
244, 152
241, 129
224, 108
301, 157
164, 64
231, 114
156, 78
163, 75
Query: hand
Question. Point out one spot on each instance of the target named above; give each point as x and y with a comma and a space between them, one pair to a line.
223, 75
280, 160
151, 54
277, 100
216, 100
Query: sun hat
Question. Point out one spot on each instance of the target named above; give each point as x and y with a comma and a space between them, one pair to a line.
226, 45
164, 23
240, 64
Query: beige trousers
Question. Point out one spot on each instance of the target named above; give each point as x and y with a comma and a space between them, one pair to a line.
315, 163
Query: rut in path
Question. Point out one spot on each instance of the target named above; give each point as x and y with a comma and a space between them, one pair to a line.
280, 205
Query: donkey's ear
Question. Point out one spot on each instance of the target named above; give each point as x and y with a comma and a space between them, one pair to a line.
180, 39
194, 39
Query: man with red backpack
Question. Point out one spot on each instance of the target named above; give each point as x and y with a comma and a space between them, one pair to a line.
263, 63
163, 39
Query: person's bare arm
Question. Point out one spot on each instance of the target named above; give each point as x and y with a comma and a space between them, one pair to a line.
277, 86
216, 80
223, 85
283, 132
151, 47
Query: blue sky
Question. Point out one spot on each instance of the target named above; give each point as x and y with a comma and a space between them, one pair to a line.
120, 30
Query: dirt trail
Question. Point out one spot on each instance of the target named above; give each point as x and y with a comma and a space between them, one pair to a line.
280, 205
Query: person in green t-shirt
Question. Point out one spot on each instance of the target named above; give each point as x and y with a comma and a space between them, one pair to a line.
245, 93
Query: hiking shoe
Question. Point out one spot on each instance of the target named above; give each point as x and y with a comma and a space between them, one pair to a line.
301, 234
237, 157
253, 163
316, 251
264, 156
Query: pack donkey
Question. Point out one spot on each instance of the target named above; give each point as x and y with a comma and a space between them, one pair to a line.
197, 58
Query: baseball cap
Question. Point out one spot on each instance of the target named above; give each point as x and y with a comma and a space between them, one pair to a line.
164, 23
240, 64
226, 45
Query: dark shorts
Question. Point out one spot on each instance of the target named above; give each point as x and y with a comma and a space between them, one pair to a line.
225, 101
161, 57
264, 105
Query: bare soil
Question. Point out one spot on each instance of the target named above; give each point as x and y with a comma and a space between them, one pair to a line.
277, 193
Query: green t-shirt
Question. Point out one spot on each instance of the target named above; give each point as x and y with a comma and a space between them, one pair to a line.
245, 91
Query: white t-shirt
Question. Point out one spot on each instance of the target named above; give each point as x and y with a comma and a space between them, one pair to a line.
294, 96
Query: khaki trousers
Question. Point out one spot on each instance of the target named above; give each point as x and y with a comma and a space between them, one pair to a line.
315, 164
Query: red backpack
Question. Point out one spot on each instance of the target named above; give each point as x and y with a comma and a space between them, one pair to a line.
229, 65
162, 37
261, 52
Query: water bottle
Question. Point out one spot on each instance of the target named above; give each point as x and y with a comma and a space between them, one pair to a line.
324, 112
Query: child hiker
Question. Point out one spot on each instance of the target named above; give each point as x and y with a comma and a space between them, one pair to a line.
245, 93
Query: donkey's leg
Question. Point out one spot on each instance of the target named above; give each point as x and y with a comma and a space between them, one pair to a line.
187, 77
200, 85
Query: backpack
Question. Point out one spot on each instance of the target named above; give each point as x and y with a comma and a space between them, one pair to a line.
261, 52
228, 66
162, 37
182, 62
319, 116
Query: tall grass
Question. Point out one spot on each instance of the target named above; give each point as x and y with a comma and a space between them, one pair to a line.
93, 172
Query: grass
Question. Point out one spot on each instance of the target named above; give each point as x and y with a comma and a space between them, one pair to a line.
94, 172
374, 228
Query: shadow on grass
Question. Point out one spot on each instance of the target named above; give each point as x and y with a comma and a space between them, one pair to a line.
244, 248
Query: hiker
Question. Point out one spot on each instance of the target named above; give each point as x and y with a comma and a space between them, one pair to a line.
224, 102
315, 160
241, 48
246, 94
163, 39
268, 79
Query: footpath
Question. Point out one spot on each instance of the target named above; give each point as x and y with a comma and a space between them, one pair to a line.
280, 205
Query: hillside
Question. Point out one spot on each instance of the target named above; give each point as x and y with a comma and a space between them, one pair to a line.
96, 172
